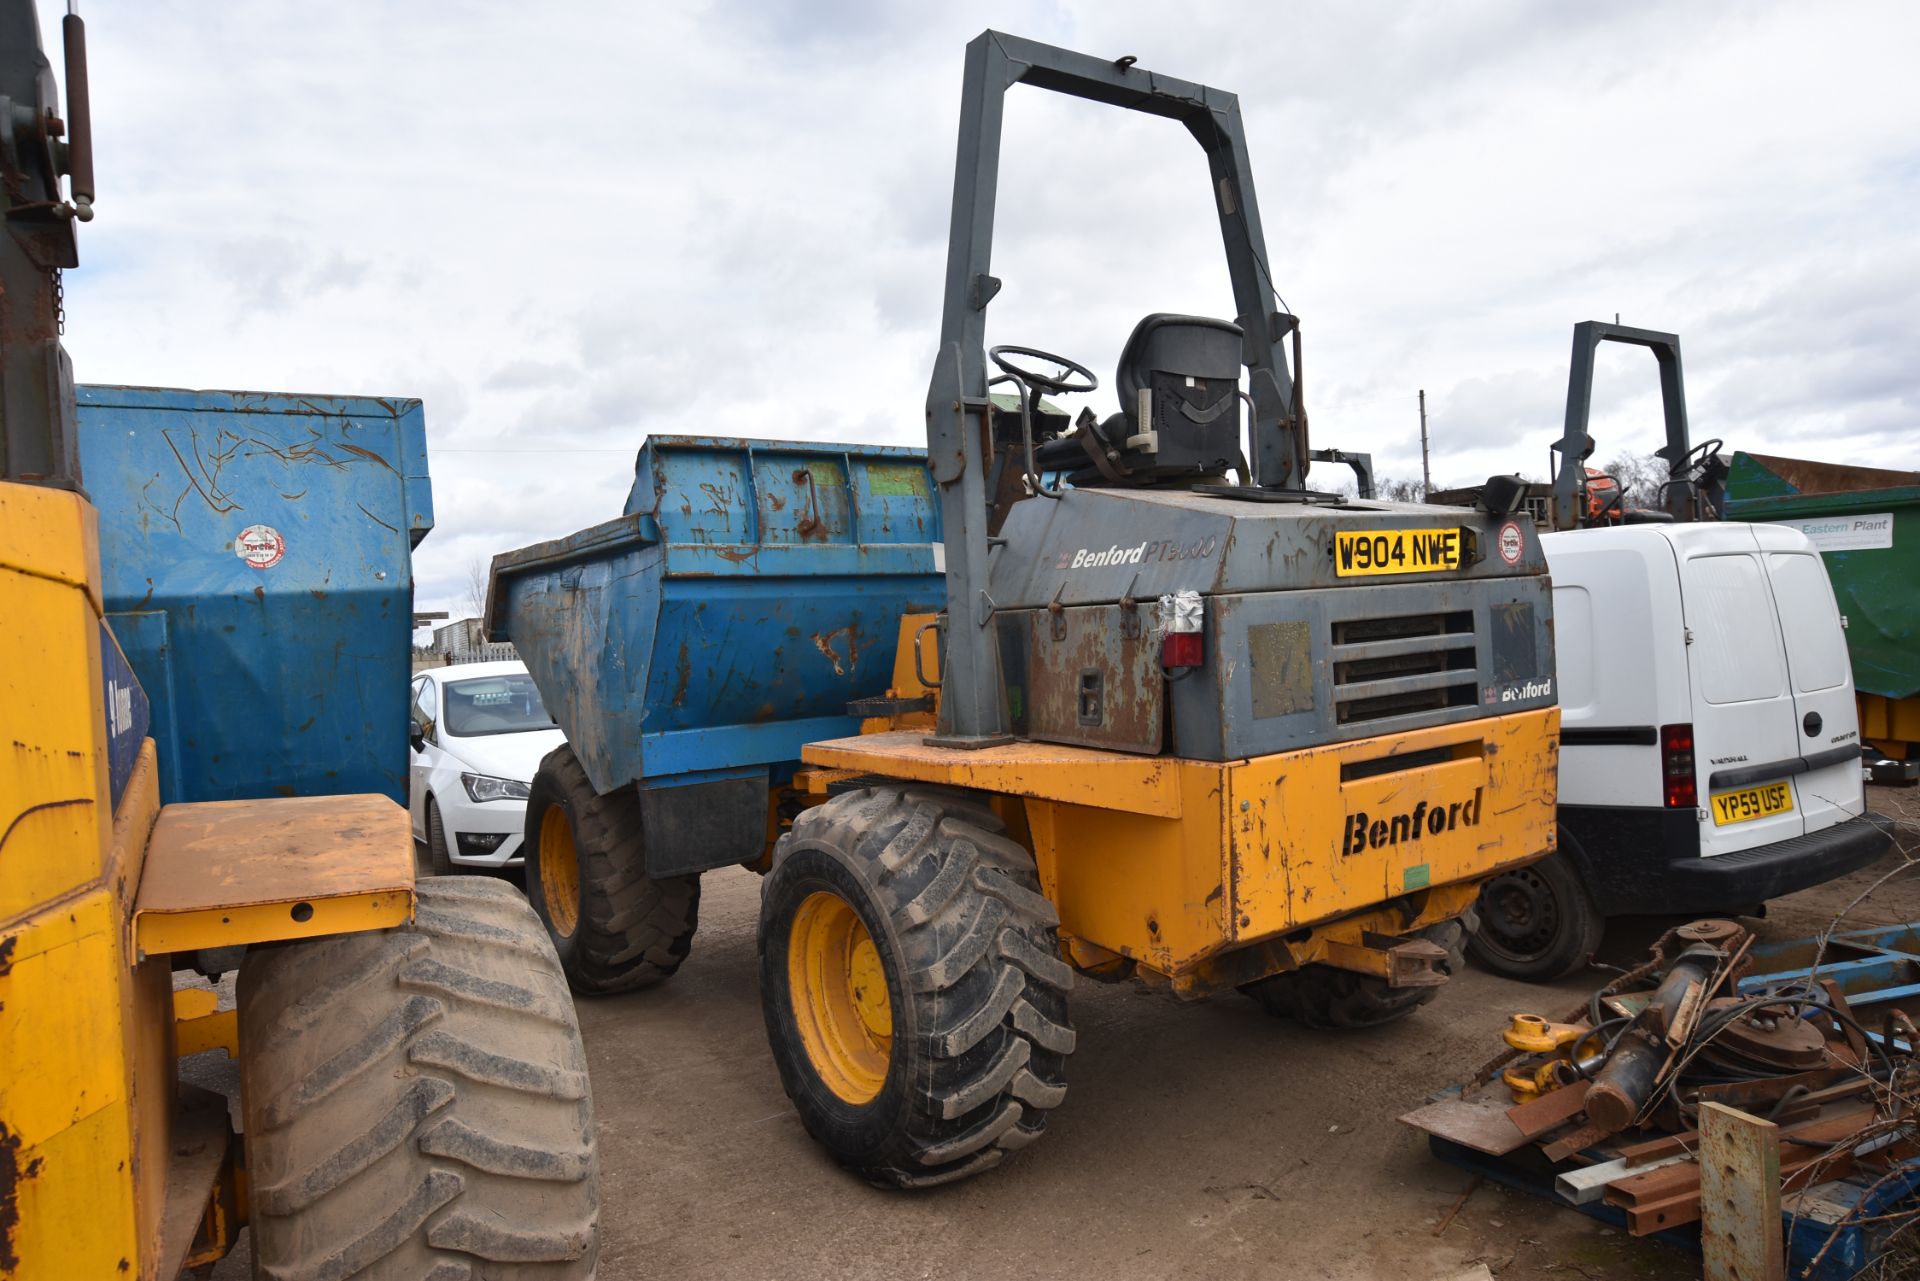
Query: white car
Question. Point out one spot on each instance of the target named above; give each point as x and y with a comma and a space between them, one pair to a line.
478, 733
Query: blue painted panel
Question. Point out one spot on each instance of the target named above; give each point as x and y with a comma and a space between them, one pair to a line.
752, 590
143, 639
125, 713
745, 651
720, 747
274, 534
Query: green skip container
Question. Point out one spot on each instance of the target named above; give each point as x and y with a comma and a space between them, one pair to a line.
1866, 523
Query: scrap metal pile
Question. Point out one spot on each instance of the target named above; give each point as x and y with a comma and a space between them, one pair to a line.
1604, 1105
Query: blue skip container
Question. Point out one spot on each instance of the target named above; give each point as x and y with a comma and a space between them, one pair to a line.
256, 552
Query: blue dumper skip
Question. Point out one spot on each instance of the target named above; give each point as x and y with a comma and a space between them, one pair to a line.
256, 552
751, 590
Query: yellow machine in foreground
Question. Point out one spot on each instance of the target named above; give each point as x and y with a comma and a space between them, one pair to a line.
413, 1088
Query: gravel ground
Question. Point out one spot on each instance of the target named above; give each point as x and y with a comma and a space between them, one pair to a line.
1198, 1140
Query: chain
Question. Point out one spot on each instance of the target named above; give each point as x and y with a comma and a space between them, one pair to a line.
59, 301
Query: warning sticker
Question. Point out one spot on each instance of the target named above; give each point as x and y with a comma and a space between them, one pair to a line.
1512, 543
261, 546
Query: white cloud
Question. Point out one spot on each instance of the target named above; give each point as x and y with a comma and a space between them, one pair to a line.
564, 228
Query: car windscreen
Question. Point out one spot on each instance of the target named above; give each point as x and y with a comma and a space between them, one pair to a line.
493, 705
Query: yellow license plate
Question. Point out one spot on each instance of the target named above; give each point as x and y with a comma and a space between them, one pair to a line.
1750, 803
1395, 551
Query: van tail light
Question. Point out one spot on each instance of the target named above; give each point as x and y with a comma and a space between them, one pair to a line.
1676, 767
1183, 639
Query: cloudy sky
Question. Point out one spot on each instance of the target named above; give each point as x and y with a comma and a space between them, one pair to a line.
566, 226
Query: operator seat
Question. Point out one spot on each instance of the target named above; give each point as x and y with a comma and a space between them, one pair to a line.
1179, 419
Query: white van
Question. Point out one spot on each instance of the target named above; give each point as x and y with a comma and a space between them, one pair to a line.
1709, 748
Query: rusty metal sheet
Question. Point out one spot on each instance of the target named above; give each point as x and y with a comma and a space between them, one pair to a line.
1550, 1111
230, 872
1094, 678
1574, 1141
1478, 1121
1740, 1237
1813, 476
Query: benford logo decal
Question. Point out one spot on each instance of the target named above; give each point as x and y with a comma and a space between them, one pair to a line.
1154, 550
1518, 692
1111, 556
1365, 832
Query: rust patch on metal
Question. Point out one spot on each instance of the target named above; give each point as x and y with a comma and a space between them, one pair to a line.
823, 641
1809, 476
10, 1179
737, 554
364, 453
682, 672
375, 519
1282, 659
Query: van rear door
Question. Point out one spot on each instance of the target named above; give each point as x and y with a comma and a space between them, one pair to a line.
1746, 729
1821, 676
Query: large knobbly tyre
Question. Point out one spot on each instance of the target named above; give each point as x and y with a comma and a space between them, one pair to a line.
416, 1102
615, 929
912, 983
1321, 996
1537, 923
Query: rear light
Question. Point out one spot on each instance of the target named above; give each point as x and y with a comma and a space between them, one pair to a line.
1183, 641
1676, 767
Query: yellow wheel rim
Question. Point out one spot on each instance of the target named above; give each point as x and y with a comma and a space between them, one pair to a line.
559, 872
840, 1000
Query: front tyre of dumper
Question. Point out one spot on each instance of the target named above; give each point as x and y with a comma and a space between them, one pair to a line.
1321, 996
416, 1101
614, 927
912, 984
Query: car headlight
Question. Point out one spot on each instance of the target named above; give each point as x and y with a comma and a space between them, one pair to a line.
484, 787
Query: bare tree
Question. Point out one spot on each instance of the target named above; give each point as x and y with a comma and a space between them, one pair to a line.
1395, 490
1390, 488
476, 598
1642, 479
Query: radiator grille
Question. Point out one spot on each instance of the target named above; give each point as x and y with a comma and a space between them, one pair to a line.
1403, 665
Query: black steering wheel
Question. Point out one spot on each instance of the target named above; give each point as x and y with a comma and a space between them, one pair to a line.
1058, 384
1696, 458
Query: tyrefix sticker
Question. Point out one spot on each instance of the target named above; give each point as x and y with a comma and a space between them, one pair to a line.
260, 546
1513, 544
